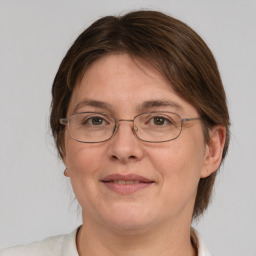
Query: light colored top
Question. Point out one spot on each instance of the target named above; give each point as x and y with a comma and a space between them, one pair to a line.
65, 245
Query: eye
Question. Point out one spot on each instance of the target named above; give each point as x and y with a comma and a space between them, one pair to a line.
92, 121
96, 120
161, 121
158, 120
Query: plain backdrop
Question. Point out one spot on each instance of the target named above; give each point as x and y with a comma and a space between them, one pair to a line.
35, 198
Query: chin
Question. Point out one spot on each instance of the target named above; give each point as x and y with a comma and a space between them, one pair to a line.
125, 226
129, 219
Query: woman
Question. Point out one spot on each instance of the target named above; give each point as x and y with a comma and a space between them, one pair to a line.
140, 121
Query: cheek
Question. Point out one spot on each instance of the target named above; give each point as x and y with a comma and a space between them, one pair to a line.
179, 166
82, 159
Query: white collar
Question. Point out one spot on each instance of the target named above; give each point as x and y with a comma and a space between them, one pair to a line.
69, 244
197, 240
65, 245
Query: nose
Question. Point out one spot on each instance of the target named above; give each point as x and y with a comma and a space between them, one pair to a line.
124, 145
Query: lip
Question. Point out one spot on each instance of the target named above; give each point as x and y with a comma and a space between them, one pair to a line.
126, 184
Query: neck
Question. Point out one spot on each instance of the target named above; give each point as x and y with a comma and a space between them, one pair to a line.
94, 240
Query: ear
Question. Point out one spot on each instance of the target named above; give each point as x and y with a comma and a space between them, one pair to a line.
66, 171
214, 150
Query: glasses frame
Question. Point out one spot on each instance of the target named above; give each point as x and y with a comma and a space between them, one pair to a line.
65, 121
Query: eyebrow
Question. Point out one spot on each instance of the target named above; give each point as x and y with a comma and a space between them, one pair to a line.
143, 107
159, 103
92, 103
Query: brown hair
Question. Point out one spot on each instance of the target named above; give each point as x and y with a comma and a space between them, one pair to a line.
168, 44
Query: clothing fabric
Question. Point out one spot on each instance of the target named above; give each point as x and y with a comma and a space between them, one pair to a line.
196, 238
65, 245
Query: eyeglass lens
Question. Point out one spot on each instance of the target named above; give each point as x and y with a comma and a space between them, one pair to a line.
152, 127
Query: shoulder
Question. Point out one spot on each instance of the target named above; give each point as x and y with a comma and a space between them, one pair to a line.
197, 240
62, 245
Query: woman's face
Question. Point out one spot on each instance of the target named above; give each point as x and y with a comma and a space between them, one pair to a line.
171, 169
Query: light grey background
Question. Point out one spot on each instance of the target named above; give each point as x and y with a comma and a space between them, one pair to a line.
35, 197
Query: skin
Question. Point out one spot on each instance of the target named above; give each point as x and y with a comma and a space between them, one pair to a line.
155, 220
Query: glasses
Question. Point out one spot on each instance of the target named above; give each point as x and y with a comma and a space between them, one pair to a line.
154, 127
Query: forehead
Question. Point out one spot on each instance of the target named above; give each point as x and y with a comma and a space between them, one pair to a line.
120, 70
123, 82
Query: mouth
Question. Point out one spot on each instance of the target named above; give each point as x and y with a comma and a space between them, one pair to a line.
126, 184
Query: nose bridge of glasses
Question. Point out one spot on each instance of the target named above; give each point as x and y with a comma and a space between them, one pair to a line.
125, 120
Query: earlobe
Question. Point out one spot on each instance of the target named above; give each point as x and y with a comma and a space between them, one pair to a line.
214, 150
66, 173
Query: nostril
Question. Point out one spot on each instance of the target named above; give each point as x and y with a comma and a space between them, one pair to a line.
114, 157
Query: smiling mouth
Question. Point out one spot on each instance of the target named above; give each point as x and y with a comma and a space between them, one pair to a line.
125, 179
126, 184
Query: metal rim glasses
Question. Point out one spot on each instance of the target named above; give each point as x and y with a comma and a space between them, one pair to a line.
154, 127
